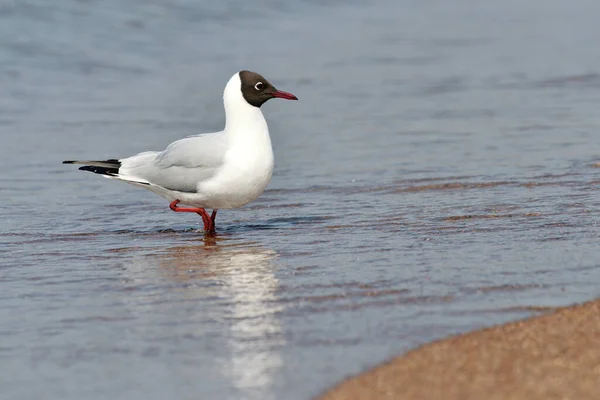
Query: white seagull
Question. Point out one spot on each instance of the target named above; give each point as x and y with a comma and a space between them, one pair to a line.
225, 169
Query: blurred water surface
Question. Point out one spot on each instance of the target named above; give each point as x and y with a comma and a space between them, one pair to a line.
437, 175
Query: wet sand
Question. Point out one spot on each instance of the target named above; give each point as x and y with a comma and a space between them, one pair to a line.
554, 356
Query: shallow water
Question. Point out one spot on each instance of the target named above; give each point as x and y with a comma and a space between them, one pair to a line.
437, 175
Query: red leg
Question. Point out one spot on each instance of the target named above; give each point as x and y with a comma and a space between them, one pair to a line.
206, 220
174, 207
209, 224
211, 220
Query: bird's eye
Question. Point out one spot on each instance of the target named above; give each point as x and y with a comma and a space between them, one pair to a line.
259, 86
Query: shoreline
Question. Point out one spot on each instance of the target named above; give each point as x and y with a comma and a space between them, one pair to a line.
553, 355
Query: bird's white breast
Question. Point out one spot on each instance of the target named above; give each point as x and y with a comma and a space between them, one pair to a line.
246, 172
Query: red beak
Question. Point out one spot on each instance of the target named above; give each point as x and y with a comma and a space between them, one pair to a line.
284, 95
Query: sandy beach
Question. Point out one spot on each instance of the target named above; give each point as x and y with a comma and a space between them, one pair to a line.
553, 356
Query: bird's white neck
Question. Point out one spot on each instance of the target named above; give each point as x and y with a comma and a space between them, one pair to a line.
242, 120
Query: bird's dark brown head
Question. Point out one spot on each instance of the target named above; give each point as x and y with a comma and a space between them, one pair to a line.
257, 90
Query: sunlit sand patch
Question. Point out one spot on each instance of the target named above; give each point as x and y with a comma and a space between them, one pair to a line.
546, 357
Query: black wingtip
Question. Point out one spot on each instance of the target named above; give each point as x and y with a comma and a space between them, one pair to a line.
100, 170
111, 164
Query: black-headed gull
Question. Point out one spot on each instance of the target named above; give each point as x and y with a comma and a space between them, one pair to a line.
225, 169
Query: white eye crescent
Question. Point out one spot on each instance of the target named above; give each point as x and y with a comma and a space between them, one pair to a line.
259, 86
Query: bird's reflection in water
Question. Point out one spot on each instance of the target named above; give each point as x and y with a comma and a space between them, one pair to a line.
248, 307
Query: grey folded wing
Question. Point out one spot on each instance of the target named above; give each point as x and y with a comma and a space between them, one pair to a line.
182, 165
